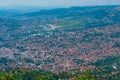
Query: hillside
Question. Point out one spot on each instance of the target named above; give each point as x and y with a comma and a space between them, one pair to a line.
79, 17
69, 40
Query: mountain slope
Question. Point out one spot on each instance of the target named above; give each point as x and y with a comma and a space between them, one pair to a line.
60, 39
79, 17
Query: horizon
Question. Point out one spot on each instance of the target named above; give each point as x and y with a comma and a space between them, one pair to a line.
59, 3
20, 7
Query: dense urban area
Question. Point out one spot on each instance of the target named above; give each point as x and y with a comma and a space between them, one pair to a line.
77, 43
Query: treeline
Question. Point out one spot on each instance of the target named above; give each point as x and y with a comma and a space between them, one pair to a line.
101, 73
26, 74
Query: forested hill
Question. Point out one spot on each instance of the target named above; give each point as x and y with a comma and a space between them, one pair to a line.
74, 11
79, 17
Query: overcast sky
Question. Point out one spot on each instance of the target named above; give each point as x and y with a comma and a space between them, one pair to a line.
55, 3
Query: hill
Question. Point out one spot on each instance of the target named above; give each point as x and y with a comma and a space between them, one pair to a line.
60, 40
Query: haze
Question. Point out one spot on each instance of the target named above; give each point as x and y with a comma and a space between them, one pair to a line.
56, 3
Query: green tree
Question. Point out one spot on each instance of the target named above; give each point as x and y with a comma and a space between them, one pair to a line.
85, 76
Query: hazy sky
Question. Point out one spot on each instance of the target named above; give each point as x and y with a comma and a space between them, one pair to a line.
54, 3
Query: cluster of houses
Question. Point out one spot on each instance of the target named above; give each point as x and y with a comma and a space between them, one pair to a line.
59, 51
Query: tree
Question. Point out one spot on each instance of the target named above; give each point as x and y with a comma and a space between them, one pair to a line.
85, 76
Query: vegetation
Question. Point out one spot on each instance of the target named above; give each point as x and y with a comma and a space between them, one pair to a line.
25, 74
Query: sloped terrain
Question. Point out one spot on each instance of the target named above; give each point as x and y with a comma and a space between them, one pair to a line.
60, 40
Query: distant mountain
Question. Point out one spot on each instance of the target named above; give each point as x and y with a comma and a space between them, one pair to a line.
17, 10
24, 9
71, 11
8, 12
79, 17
